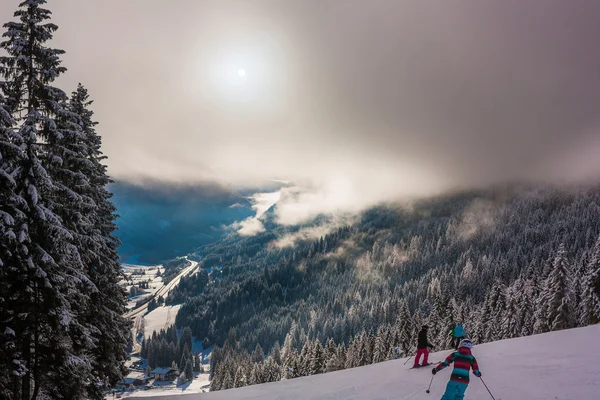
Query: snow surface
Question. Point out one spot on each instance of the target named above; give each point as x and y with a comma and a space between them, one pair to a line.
200, 384
155, 284
163, 290
560, 365
160, 318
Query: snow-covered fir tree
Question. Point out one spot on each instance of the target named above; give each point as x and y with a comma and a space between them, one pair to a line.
258, 355
69, 333
189, 374
510, 325
317, 359
589, 308
240, 377
557, 291
47, 259
404, 328
10, 219
381, 349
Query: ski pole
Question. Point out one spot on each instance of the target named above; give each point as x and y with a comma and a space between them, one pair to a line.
407, 360
482, 381
430, 382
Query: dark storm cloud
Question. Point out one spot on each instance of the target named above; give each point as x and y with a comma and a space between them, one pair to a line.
360, 101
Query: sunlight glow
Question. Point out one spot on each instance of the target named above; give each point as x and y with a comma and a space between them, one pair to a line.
243, 75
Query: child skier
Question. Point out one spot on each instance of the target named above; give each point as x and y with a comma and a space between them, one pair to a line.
459, 334
422, 347
459, 380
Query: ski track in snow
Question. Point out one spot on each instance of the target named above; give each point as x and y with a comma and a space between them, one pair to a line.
560, 365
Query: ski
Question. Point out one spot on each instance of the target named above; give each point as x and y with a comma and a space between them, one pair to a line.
426, 365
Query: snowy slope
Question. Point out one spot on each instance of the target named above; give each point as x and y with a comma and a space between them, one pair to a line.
561, 365
160, 318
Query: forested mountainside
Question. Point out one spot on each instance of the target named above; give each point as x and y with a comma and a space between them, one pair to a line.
503, 263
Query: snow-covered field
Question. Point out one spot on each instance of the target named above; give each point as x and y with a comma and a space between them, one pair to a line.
132, 274
554, 366
200, 384
163, 290
160, 318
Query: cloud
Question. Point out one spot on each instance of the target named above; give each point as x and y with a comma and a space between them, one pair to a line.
323, 228
250, 227
356, 102
261, 202
479, 217
350, 189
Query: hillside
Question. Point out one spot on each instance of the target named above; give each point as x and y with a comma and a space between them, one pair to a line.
285, 304
353, 278
553, 366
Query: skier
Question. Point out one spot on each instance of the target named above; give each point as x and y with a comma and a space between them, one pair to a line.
459, 334
422, 347
463, 361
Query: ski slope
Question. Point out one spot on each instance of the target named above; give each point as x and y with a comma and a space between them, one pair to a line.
160, 318
561, 365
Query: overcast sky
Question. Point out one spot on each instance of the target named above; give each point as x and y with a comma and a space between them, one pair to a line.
361, 100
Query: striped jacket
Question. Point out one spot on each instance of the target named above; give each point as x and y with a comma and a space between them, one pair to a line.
463, 362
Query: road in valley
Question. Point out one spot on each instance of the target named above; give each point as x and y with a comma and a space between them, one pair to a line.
138, 313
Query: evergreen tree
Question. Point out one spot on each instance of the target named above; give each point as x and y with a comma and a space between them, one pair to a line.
590, 298
364, 356
435, 320
189, 374
404, 329
289, 353
352, 354
52, 338
304, 359
491, 314
228, 381
317, 359
560, 308
330, 350
525, 303
276, 353
184, 360
342, 355
417, 324
449, 320
186, 339
270, 370
10, 155
197, 363
215, 383
510, 326
258, 355
240, 378
381, 350
289, 366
